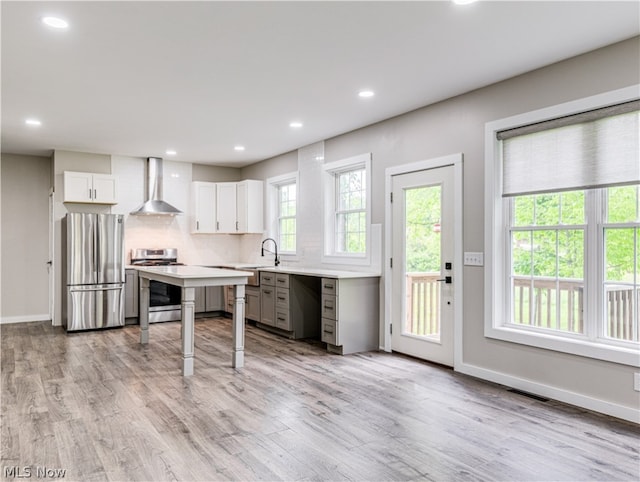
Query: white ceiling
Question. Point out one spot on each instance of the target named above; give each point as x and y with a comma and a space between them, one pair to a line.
138, 78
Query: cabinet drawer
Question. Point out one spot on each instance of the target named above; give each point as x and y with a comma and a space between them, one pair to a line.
329, 286
329, 307
268, 279
282, 298
329, 332
282, 320
282, 280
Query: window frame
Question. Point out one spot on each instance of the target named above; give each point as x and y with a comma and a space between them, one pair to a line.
273, 207
497, 288
330, 174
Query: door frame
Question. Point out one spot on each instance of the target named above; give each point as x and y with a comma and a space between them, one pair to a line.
455, 160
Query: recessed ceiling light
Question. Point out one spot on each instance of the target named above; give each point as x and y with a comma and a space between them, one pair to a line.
366, 93
170, 152
55, 22
33, 122
464, 2
238, 148
295, 124
319, 158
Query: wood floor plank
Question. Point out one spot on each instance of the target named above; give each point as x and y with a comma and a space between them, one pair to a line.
104, 407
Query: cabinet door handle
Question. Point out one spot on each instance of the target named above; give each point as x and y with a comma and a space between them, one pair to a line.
90, 193
197, 225
329, 287
217, 225
267, 292
237, 228
281, 298
95, 194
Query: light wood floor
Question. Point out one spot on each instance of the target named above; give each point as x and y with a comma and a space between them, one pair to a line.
103, 407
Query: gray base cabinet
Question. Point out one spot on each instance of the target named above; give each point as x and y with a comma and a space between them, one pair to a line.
131, 297
209, 299
350, 314
290, 304
251, 301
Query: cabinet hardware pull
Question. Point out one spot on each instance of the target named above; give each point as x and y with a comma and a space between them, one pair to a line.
217, 225
329, 331
267, 292
90, 193
197, 225
95, 194
280, 319
281, 281
329, 287
281, 298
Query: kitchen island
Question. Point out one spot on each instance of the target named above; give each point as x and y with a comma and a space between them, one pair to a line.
189, 278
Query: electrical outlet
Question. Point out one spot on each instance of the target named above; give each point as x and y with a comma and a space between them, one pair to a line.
473, 259
636, 382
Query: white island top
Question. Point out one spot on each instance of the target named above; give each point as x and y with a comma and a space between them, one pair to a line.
191, 272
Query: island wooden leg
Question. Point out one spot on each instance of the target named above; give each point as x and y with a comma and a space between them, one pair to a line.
238, 328
188, 331
144, 310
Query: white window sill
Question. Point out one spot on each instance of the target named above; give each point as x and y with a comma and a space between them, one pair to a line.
574, 346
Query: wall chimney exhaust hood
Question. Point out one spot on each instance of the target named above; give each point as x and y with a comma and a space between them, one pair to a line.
154, 204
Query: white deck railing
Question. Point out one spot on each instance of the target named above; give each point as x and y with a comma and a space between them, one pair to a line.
563, 312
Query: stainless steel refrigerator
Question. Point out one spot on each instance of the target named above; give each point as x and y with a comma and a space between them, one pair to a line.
93, 271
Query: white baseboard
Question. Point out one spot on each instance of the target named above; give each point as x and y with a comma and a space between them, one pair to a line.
24, 319
583, 401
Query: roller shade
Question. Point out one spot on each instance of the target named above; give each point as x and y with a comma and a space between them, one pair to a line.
598, 148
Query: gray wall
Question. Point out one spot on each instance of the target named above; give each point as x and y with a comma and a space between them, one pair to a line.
457, 125
24, 231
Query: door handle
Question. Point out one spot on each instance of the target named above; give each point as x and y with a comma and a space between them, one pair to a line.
446, 279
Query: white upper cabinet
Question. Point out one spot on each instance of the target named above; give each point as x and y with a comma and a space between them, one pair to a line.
203, 207
227, 207
227, 221
86, 187
249, 206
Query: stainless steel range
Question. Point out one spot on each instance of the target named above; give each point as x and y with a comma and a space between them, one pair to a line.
164, 299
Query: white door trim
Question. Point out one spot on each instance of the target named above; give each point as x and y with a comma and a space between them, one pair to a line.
456, 161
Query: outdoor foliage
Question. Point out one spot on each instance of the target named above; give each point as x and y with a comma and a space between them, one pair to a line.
423, 207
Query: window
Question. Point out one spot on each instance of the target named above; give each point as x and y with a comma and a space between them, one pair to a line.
347, 207
287, 217
563, 214
282, 208
351, 212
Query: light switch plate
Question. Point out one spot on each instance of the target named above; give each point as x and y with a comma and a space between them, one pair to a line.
473, 259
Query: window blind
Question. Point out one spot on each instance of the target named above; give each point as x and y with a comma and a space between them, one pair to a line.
598, 148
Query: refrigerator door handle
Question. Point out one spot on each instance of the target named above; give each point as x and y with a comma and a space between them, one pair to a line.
96, 288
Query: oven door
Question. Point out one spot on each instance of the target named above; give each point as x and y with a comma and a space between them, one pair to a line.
164, 302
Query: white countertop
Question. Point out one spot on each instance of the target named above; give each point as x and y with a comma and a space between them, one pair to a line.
244, 265
322, 272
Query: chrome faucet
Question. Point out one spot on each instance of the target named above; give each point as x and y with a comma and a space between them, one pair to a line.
277, 260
